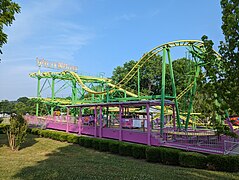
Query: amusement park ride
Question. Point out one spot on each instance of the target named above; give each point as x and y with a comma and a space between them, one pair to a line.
101, 108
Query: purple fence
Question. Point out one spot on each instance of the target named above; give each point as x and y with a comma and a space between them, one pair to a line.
204, 141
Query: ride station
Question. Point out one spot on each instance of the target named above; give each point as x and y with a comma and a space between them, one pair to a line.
100, 108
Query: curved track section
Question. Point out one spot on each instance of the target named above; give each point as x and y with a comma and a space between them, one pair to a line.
156, 50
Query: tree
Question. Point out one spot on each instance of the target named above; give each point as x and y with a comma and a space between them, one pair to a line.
7, 16
16, 132
230, 55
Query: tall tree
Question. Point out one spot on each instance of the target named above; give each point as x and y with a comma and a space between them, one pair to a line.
7, 16
229, 51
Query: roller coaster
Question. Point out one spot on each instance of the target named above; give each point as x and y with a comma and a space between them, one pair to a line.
89, 89
102, 108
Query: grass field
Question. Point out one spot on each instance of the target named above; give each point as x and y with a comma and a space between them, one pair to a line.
42, 158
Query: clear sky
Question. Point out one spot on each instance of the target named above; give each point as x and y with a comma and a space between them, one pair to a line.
97, 35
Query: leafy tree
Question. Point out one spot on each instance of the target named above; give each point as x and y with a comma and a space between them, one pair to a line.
16, 132
7, 16
230, 55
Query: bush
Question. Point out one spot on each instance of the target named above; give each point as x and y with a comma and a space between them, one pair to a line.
153, 154
223, 163
114, 147
192, 160
35, 131
3, 128
73, 139
138, 151
95, 143
125, 149
88, 142
17, 131
169, 156
63, 137
82, 140
45, 133
104, 145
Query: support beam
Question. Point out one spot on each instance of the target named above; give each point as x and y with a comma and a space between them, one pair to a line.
163, 91
80, 121
148, 125
138, 81
67, 119
52, 95
101, 123
95, 121
173, 87
38, 94
192, 96
120, 121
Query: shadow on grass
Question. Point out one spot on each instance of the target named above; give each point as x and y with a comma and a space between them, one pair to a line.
75, 162
30, 141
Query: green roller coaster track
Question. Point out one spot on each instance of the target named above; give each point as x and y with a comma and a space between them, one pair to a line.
88, 89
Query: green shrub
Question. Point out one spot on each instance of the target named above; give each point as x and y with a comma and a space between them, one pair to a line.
63, 137
54, 135
192, 160
35, 131
88, 142
45, 133
95, 143
3, 128
125, 149
72, 139
82, 140
223, 163
153, 154
17, 131
138, 151
114, 147
104, 145
169, 156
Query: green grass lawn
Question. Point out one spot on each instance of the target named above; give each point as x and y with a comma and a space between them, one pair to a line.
42, 158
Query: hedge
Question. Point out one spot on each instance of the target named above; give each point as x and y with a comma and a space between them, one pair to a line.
223, 163
151, 154
169, 156
114, 147
138, 151
193, 160
125, 149
104, 145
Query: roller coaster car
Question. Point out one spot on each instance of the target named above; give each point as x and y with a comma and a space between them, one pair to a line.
235, 120
57, 113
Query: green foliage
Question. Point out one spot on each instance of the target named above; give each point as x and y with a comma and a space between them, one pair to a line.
125, 149
95, 143
16, 132
114, 147
192, 160
138, 151
170, 156
63, 137
3, 128
153, 154
230, 55
73, 139
104, 145
224, 129
223, 163
7, 16
88, 142
82, 140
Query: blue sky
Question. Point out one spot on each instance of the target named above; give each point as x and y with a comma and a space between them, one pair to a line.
97, 35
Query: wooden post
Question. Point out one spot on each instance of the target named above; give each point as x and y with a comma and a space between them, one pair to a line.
148, 124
